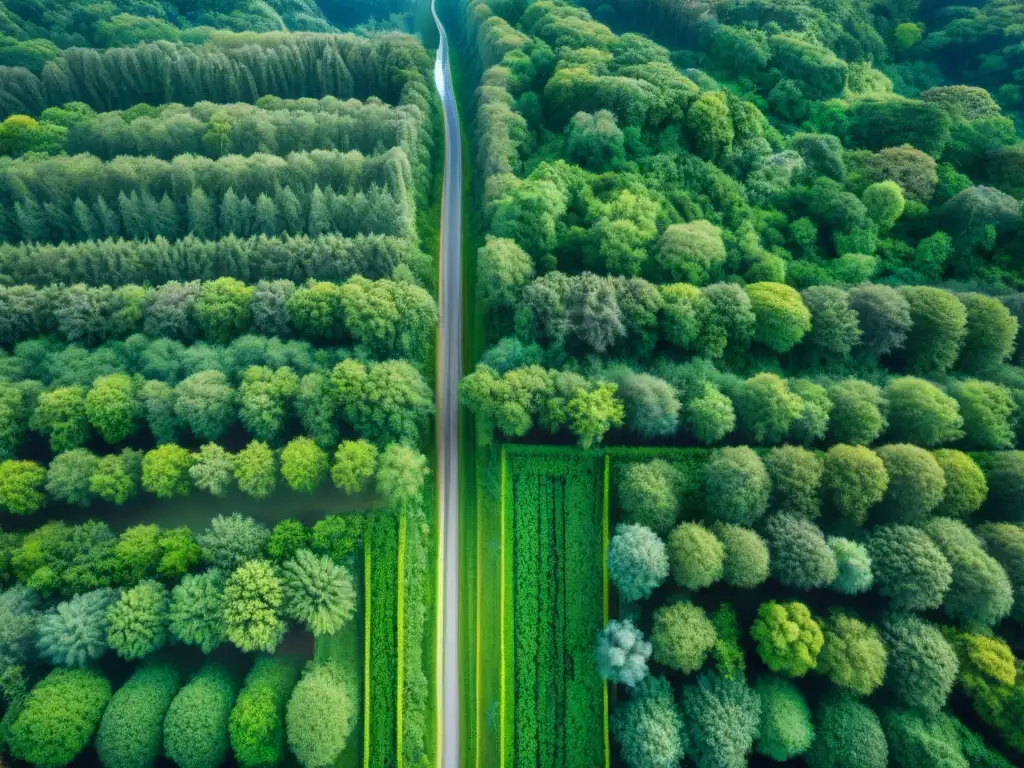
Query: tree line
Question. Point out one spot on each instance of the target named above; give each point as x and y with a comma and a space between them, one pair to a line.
385, 318
227, 68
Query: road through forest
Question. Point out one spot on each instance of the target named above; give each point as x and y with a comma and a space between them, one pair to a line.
449, 372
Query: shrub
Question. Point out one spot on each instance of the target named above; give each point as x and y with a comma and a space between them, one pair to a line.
321, 715
938, 329
966, 487
648, 495
853, 656
766, 408
1004, 472
232, 540
723, 718
786, 729
256, 725
988, 411
728, 653
197, 610
917, 739
922, 664
21, 484
59, 717
637, 561
252, 605
853, 566
74, 633
649, 727
916, 483
908, 568
355, 463
980, 593
131, 733
747, 561
304, 465
196, 727
622, 653
318, 592
788, 639
137, 622
695, 556
858, 412
922, 414
853, 479
848, 734
682, 636
800, 557
1005, 542
736, 485
782, 316
795, 477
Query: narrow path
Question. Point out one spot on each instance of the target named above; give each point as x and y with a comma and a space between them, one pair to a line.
449, 372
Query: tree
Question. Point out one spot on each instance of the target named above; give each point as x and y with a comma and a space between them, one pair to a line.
728, 322
74, 633
788, 639
709, 125
137, 622
695, 555
766, 408
800, 557
503, 270
786, 729
137, 554
401, 473
989, 412
884, 202
723, 718
966, 487
795, 475
835, 326
652, 408
315, 310
922, 414
317, 592
938, 329
710, 416
858, 412
385, 402
19, 618
196, 615
916, 483
303, 465
746, 563
1004, 472
980, 594
355, 463
692, 253
256, 470
252, 604
178, 553
811, 424
264, 397
595, 141
922, 664
287, 538
853, 566
1005, 542
112, 408
648, 726
885, 318
165, 471
69, 474
736, 486
782, 318
223, 309
684, 312
592, 413
213, 471
196, 727
853, 656
637, 561
682, 636
231, 540
60, 415
991, 331
648, 496
847, 734
59, 717
157, 399
622, 653
256, 725
131, 731
917, 738
321, 714
117, 477
205, 403
908, 568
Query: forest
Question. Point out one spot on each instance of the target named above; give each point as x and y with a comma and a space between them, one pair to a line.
763, 261
219, 313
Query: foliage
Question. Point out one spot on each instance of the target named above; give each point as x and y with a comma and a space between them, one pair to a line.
917, 738
252, 603
1005, 542
401, 472
196, 726
848, 734
922, 664
232, 539
355, 463
137, 622
256, 470
737, 486
256, 724
908, 568
648, 496
916, 483
320, 715
782, 319
637, 561
853, 566
788, 639
682, 636
921, 414
196, 615
723, 718
853, 656
786, 729
649, 727
317, 592
966, 486
165, 471
795, 476
131, 731
20, 486
746, 563
695, 555
622, 653
74, 633
800, 556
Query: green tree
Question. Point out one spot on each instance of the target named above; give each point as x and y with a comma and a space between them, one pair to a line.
69, 474
991, 332
196, 727
60, 415
303, 465
256, 470
795, 475
74, 633
938, 329
233, 539
723, 718
137, 554
637, 561
1005, 542
196, 615
355, 464
847, 734
503, 270
223, 309
917, 738
165, 471
835, 326
622, 653
252, 607
800, 556
112, 408
137, 622
922, 664
916, 483
321, 714
59, 717
966, 486
788, 638
885, 204
908, 568
782, 318
214, 470
858, 412
989, 414
885, 319
786, 728
711, 416
766, 408
317, 592
682, 636
117, 477
256, 725
595, 141
178, 553
922, 414
287, 538
695, 555
648, 495
648, 726
736, 486
746, 562
131, 731
691, 254
709, 126
205, 403
853, 656
401, 473
853, 566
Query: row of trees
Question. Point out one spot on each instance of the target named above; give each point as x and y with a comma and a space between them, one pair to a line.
384, 318
80, 477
